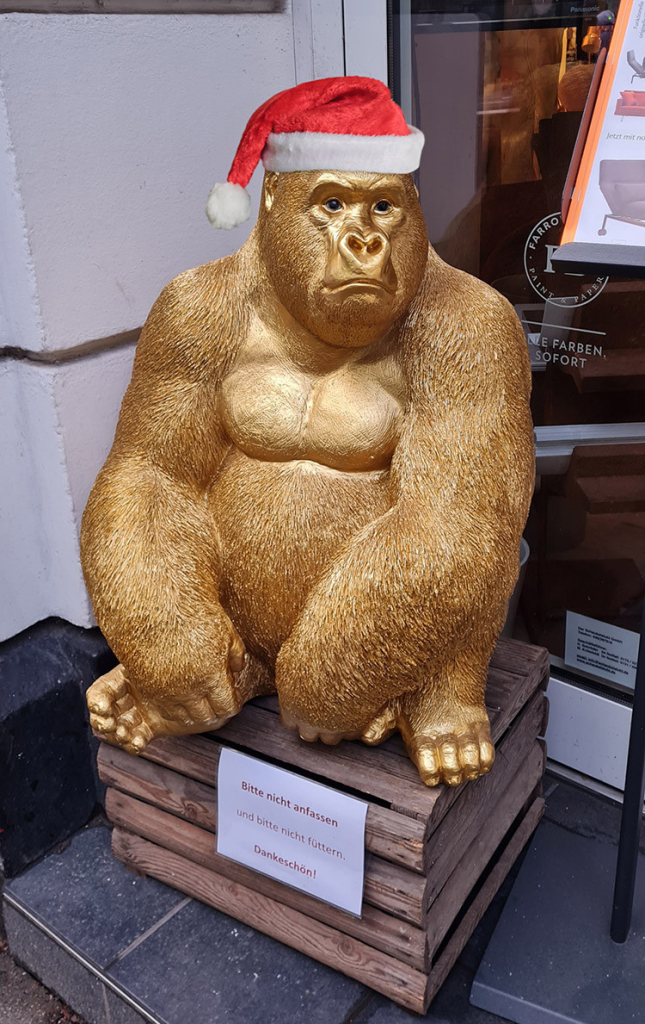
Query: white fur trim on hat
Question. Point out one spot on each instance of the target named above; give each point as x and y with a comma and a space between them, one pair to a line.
228, 205
317, 151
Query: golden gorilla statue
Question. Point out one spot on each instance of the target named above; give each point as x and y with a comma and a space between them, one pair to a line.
320, 476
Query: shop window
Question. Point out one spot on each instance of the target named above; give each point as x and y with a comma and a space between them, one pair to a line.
499, 88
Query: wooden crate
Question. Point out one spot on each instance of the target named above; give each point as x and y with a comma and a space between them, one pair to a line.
434, 857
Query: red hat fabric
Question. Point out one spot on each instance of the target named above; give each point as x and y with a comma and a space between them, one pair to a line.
342, 124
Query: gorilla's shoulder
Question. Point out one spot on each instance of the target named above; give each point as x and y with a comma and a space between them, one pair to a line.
197, 317
447, 288
454, 300
202, 284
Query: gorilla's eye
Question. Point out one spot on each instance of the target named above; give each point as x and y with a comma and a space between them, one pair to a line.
382, 206
333, 205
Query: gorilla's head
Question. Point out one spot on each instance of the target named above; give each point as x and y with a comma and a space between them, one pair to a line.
345, 252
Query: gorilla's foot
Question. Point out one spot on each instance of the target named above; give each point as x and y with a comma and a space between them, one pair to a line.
453, 748
114, 713
311, 733
121, 717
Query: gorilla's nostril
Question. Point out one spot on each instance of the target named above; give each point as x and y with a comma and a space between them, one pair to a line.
374, 246
355, 243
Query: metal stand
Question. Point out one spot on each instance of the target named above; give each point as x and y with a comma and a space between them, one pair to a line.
632, 807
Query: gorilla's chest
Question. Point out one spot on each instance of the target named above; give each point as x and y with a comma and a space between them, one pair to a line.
347, 420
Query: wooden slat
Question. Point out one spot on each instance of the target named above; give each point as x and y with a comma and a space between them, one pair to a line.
182, 796
389, 934
621, 369
314, 938
373, 771
512, 693
379, 772
387, 886
516, 657
479, 799
423, 867
475, 858
393, 836
607, 459
482, 901
394, 889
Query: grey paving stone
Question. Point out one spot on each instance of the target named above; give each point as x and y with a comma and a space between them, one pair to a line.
122, 1013
91, 899
23, 1000
551, 957
54, 967
206, 968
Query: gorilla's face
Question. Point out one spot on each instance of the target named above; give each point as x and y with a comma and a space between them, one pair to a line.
345, 252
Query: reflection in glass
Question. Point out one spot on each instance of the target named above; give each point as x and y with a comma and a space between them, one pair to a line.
499, 89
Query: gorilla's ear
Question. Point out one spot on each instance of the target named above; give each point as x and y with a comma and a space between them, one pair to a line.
270, 183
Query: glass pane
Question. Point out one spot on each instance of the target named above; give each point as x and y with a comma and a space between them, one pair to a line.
499, 90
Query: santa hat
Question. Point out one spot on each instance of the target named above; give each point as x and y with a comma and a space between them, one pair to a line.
339, 124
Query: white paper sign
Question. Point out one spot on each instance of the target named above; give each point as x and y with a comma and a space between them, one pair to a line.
604, 650
304, 834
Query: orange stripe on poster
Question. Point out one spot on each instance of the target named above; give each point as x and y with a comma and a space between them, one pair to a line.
597, 121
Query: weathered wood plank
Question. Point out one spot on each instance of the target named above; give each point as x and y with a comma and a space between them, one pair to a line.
395, 837
475, 858
381, 930
479, 799
511, 693
373, 771
482, 901
420, 871
314, 938
516, 656
517, 670
387, 886
182, 796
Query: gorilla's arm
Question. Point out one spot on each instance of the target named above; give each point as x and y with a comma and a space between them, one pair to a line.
404, 593
149, 547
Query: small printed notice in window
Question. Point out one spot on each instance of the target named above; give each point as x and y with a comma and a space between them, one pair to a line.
301, 833
601, 649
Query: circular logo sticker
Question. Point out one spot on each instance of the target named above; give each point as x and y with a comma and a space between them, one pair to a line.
551, 285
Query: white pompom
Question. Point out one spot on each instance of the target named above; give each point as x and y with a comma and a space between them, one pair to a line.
228, 205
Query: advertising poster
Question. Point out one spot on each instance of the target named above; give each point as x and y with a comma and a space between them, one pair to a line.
608, 202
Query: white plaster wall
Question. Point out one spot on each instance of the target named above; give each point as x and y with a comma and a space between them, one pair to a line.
118, 128
20, 322
57, 425
112, 132
39, 567
365, 23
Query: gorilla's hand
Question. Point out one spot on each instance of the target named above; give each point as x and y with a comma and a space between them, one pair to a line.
198, 695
